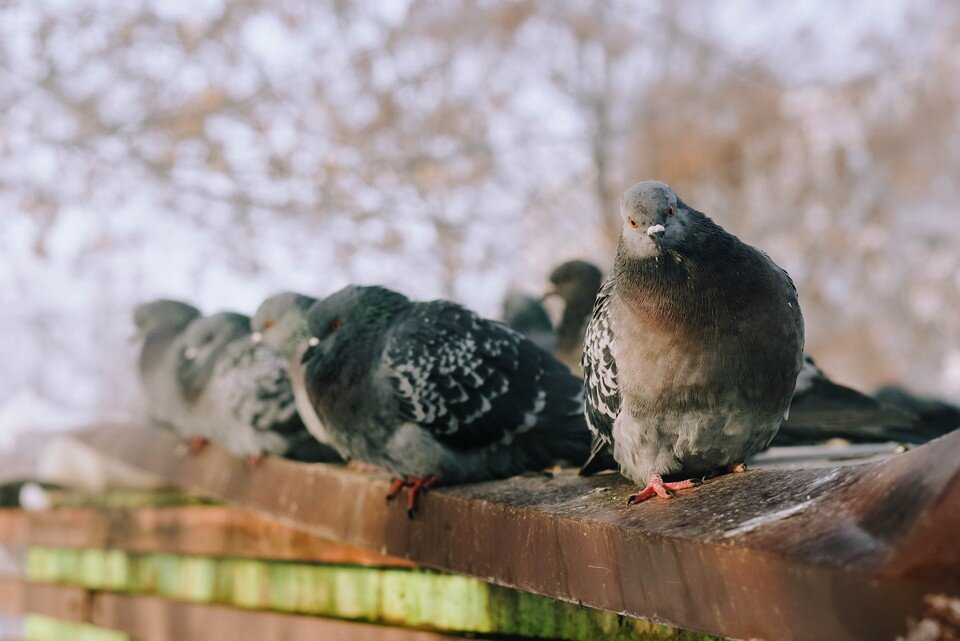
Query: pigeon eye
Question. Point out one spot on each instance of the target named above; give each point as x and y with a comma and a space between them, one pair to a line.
269, 324
335, 325
671, 212
633, 223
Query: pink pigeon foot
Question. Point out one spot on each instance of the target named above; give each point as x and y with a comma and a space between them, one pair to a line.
196, 444
418, 486
656, 486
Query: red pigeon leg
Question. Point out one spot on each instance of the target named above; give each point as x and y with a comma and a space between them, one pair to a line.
196, 444
420, 486
656, 486
253, 460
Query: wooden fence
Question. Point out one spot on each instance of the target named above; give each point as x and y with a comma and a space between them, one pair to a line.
850, 552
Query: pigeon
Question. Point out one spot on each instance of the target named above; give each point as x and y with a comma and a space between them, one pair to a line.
526, 315
692, 353
576, 283
935, 417
281, 323
160, 325
238, 392
822, 410
433, 393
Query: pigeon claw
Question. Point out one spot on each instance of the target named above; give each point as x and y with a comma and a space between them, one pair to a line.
417, 486
196, 444
656, 486
253, 460
736, 468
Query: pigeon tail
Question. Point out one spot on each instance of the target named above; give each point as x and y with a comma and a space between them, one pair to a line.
600, 460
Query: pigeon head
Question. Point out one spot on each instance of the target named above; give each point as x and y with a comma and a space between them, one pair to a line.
654, 218
520, 310
206, 337
355, 313
575, 279
163, 316
281, 322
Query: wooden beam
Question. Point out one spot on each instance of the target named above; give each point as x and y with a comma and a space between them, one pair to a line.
156, 619
772, 554
64, 602
11, 596
195, 530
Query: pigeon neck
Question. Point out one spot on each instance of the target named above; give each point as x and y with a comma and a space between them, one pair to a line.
576, 312
155, 345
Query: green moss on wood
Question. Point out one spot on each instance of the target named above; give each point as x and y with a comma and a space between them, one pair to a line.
41, 628
395, 596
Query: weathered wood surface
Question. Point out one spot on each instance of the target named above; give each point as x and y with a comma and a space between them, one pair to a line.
156, 619
844, 553
196, 530
387, 596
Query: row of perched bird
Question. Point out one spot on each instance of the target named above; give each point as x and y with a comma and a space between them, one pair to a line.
691, 352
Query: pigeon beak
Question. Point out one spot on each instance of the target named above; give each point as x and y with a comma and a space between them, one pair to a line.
549, 294
256, 337
190, 353
655, 232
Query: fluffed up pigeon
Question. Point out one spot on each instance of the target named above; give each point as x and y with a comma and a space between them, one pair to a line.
160, 325
281, 323
692, 354
526, 315
821, 408
434, 393
239, 393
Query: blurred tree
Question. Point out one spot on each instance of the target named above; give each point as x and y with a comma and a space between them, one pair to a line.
222, 151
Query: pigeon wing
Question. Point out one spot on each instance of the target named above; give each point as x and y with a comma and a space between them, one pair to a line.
602, 398
469, 381
260, 394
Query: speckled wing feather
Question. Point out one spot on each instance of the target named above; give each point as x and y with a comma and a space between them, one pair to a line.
600, 369
470, 381
602, 389
259, 392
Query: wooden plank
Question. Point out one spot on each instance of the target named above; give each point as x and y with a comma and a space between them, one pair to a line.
155, 619
771, 554
196, 530
11, 596
64, 602
390, 596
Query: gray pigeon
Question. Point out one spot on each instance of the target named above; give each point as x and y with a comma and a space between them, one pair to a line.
692, 354
238, 392
935, 417
434, 393
823, 409
526, 315
160, 325
576, 283
281, 323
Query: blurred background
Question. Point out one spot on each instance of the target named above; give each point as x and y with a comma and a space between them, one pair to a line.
220, 152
